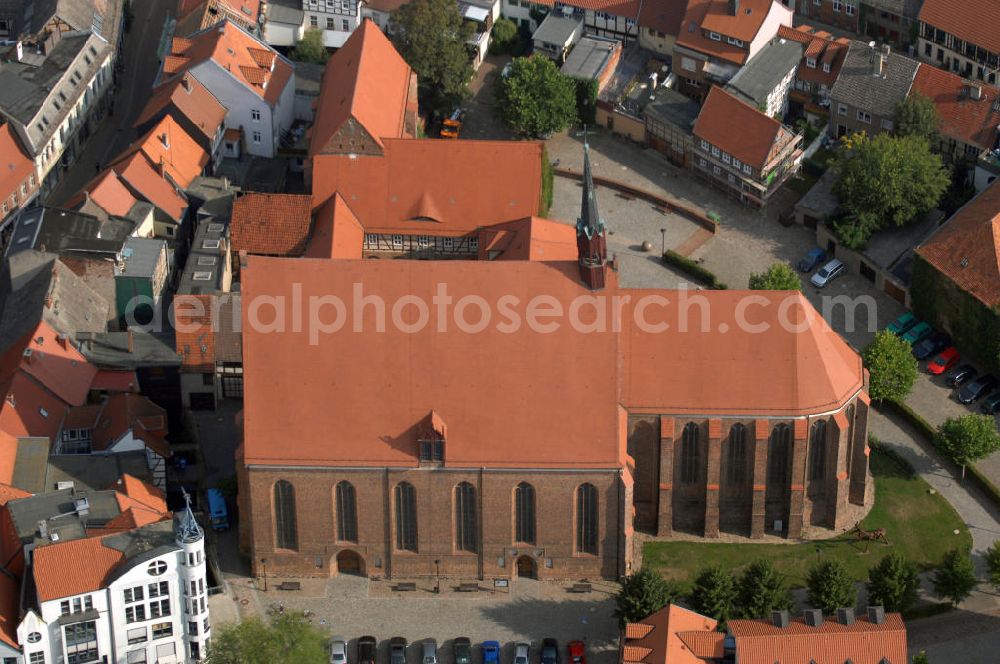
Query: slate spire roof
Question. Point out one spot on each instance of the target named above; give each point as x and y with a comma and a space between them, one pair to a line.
590, 222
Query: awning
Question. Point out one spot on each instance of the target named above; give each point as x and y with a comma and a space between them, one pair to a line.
115, 381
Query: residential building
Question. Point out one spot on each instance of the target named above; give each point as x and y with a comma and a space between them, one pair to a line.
24, 19
742, 150
140, 280
669, 120
956, 282
638, 77
822, 59
152, 357
196, 15
557, 35
271, 224
617, 19
593, 59
18, 178
872, 83
285, 23
892, 21
843, 14
677, 635
718, 37
961, 38
659, 25
249, 78
336, 18
766, 79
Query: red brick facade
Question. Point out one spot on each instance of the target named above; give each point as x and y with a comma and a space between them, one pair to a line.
843, 14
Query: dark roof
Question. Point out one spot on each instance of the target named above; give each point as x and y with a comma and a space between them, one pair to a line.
590, 57
110, 350
68, 231
673, 107
59, 510
93, 472
860, 87
140, 257
29, 464
758, 77
141, 544
206, 262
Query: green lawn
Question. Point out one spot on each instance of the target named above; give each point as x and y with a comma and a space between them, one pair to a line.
919, 525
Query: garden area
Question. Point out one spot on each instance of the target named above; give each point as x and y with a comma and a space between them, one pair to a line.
920, 526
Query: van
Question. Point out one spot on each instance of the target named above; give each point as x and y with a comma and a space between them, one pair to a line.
218, 515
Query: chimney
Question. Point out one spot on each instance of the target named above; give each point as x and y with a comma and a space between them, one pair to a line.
11, 400
27, 355
165, 141
734, 7
813, 617
876, 615
62, 340
779, 619
131, 341
43, 529
48, 300
845, 616
186, 83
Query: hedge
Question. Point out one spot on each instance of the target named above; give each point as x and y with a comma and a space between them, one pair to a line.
693, 269
878, 446
545, 195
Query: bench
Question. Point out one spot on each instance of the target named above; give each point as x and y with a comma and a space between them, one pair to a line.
623, 195
289, 585
405, 586
468, 587
581, 588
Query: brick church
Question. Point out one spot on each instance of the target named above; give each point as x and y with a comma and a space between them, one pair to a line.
424, 433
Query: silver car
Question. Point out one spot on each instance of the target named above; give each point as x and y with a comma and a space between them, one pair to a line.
521, 653
827, 273
338, 650
430, 650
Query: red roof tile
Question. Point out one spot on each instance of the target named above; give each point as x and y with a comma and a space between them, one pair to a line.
140, 175
661, 644
171, 149
16, 166
974, 21
967, 120
533, 238
663, 15
760, 642
739, 129
337, 232
271, 224
187, 96
108, 192
115, 381
73, 568
715, 16
194, 335
135, 414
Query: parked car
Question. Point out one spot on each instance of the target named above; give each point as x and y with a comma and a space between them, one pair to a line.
931, 346
943, 361
577, 652
338, 650
991, 404
903, 323
811, 260
397, 650
974, 390
430, 652
461, 650
521, 653
960, 374
918, 332
367, 650
550, 651
827, 273
491, 652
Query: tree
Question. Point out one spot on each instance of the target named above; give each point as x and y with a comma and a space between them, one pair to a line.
289, 639
921, 658
431, 36
993, 563
714, 593
504, 36
311, 48
885, 181
917, 116
643, 593
893, 369
830, 587
535, 99
955, 578
893, 583
760, 590
968, 438
780, 276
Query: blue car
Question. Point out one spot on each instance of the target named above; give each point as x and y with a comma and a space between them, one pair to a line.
491, 652
812, 259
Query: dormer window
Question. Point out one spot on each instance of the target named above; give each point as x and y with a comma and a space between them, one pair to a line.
735, 42
826, 67
430, 439
811, 63
715, 36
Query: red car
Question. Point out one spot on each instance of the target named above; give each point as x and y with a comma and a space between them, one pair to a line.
577, 652
945, 360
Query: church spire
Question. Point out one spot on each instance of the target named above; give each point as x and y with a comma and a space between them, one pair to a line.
591, 241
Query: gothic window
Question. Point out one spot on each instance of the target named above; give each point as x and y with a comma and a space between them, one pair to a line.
347, 513
586, 519
777, 457
285, 531
817, 451
736, 451
849, 413
524, 513
465, 518
689, 453
406, 517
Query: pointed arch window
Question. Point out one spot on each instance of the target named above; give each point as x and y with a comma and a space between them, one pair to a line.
406, 517
586, 519
285, 530
347, 512
689, 452
736, 455
777, 456
465, 518
817, 451
524, 513
849, 413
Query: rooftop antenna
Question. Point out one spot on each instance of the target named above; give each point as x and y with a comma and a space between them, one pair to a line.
188, 531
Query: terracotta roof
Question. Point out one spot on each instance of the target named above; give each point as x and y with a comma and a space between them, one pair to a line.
140, 503
271, 224
706, 645
112, 380
82, 417
529, 239
454, 183
661, 644
739, 129
73, 568
760, 642
967, 120
185, 95
109, 194
123, 413
715, 16
367, 80
229, 46
966, 249
54, 363
168, 147
663, 15
336, 232
15, 165
194, 338
8, 493
820, 46
141, 177
973, 21
626, 8
637, 630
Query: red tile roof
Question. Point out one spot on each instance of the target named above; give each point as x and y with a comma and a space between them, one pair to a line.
143, 179
820, 46
115, 381
109, 193
964, 119
271, 224
661, 643
663, 15
125, 413
739, 129
715, 16
434, 187
625, 8
16, 166
367, 80
194, 335
974, 21
337, 232
533, 238
171, 149
185, 95
966, 249
864, 642
232, 49
54, 363
73, 568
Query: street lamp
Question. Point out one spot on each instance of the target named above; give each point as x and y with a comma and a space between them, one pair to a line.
263, 563
663, 244
437, 576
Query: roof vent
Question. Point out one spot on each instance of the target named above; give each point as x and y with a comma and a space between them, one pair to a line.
876, 614
82, 506
62, 486
27, 354
780, 619
43, 528
813, 617
845, 616
964, 262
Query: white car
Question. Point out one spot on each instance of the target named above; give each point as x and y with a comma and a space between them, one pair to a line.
338, 650
827, 273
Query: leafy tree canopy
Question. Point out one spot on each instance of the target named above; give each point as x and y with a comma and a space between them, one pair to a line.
760, 590
642, 593
968, 438
893, 583
892, 366
311, 48
780, 276
955, 578
993, 563
714, 594
535, 98
289, 639
830, 586
917, 116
